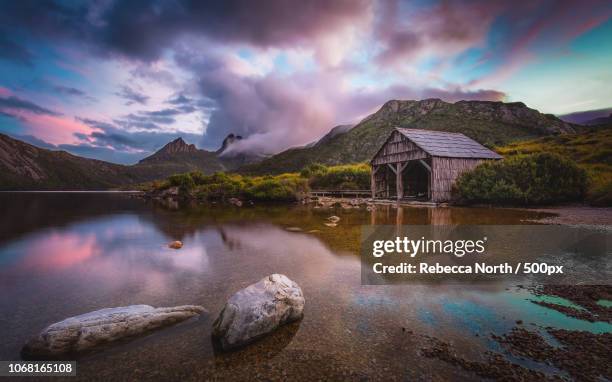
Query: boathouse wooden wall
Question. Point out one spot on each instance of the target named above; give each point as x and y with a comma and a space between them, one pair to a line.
390, 161
445, 172
398, 149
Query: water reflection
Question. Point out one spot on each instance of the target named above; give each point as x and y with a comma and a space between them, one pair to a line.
66, 255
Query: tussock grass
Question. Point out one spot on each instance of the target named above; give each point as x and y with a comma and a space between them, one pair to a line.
592, 151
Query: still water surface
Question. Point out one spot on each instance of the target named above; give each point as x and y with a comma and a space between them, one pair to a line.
66, 254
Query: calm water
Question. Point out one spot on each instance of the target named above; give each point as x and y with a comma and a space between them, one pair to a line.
66, 254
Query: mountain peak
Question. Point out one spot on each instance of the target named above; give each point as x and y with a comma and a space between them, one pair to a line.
171, 149
177, 146
230, 139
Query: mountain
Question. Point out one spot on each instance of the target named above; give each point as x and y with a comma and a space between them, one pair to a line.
178, 156
600, 121
23, 166
587, 117
337, 130
228, 141
490, 123
27, 167
232, 158
176, 147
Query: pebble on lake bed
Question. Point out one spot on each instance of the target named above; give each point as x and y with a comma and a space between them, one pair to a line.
176, 244
89, 330
258, 310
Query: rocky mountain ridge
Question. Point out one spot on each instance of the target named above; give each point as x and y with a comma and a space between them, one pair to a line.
490, 123
27, 167
23, 166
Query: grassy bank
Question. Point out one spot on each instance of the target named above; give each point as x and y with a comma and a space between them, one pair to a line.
283, 187
592, 151
515, 180
533, 179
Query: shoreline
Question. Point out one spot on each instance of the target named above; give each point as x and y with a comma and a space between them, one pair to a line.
575, 215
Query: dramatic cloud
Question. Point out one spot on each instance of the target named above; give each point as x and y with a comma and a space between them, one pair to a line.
70, 91
12, 104
145, 28
132, 96
9, 50
276, 112
279, 72
447, 28
108, 137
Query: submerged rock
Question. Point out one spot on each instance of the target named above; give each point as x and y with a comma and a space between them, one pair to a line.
235, 201
176, 244
258, 310
89, 330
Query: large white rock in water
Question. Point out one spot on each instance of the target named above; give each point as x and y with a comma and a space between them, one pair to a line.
86, 331
257, 310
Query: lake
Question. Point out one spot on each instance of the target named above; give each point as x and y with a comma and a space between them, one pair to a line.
64, 254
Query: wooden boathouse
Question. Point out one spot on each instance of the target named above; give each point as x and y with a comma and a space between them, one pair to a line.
416, 164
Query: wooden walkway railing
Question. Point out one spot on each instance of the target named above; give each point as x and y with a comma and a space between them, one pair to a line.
342, 193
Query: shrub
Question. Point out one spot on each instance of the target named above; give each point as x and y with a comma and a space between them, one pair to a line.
221, 186
347, 177
530, 179
183, 181
313, 170
601, 195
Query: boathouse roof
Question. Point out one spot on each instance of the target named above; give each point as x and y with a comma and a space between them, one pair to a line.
445, 144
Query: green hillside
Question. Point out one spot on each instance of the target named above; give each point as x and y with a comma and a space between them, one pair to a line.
23, 166
27, 167
490, 123
591, 150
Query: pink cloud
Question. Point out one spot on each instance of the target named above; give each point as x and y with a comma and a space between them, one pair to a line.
444, 29
4, 92
54, 129
550, 29
60, 251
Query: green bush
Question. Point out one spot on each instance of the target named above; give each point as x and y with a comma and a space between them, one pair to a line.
347, 177
530, 179
221, 186
601, 195
313, 170
183, 181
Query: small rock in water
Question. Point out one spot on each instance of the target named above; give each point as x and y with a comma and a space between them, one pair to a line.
258, 310
176, 244
235, 201
333, 219
294, 229
89, 330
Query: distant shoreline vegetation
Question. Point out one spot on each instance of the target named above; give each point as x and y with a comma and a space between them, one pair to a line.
548, 170
533, 179
283, 188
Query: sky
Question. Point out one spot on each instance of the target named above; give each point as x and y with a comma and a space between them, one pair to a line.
116, 80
